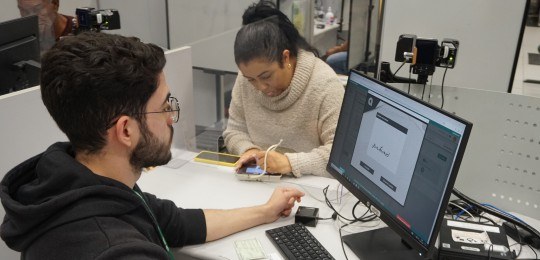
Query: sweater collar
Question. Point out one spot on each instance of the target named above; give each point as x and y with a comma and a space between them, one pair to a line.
302, 73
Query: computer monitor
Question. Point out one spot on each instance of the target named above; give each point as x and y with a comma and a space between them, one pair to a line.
19, 54
399, 156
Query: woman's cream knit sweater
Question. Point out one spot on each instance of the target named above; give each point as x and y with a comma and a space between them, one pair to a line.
304, 116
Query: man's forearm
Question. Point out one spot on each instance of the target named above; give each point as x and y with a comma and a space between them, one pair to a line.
221, 223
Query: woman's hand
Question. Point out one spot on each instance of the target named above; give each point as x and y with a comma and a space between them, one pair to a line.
275, 162
248, 157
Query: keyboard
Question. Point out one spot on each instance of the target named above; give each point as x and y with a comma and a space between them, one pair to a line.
296, 242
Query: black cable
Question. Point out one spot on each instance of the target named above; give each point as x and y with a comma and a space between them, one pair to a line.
520, 243
488, 219
362, 218
354, 209
535, 254
442, 87
334, 216
329, 204
516, 255
449, 212
336, 213
496, 213
489, 251
355, 219
520, 250
430, 84
403, 63
341, 238
423, 90
409, 90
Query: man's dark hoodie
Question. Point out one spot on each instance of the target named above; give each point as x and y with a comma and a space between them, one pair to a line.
56, 208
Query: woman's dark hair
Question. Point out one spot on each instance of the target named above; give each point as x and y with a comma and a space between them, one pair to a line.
266, 33
89, 80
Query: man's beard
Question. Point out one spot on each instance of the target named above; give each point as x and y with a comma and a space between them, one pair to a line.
150, 151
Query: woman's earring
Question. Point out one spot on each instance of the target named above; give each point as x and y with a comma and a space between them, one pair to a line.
289, 66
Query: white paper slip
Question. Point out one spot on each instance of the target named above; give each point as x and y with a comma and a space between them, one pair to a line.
249, 249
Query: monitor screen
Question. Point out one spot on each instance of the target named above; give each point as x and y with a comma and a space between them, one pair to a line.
399, 155
19, 54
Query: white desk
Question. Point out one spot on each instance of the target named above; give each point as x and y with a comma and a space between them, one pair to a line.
200, 185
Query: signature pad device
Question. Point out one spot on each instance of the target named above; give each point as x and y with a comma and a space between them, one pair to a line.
255, 173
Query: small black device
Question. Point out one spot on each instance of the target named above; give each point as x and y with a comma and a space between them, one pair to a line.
296, 242
472, 240
90, 19
448, 53
405, 48
424, 55
427, 51
307, 216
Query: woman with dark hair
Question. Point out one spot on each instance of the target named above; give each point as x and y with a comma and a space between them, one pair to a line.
283, 94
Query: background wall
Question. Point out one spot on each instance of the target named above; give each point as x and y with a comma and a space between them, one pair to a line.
192, 21
144, 19
10, 11
487, 30
359, 21
209, 27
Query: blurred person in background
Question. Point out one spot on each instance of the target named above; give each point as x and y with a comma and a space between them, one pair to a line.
52, 25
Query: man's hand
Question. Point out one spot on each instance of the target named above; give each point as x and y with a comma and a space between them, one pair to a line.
221, 223
281, 202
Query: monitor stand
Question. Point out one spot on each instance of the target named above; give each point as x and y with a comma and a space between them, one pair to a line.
380, 244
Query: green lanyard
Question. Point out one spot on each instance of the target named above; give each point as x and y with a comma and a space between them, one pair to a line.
171, 256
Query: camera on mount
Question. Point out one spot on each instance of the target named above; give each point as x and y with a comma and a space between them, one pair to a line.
425, 54
90, 19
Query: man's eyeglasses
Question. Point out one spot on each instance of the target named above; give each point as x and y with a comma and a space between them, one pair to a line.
172, 109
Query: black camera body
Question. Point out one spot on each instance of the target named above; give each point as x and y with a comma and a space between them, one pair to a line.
426, 54
90, 19
448, 53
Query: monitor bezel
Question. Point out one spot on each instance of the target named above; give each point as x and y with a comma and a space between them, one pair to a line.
390, 220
